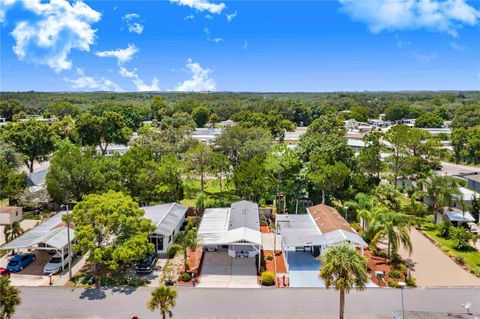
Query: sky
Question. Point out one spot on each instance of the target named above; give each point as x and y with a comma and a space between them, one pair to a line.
243, 45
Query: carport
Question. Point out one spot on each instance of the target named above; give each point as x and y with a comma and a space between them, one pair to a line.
51, 235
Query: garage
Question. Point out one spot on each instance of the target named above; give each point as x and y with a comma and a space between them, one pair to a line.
219, 270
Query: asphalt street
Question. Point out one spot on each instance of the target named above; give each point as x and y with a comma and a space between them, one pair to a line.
60, 302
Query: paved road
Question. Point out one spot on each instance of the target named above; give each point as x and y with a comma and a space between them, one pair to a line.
433, 268
56, 302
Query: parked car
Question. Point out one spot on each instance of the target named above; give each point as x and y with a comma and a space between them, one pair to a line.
4, 272
147, 265
20, 262
56, 264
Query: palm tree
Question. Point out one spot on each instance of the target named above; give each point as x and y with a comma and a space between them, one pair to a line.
393, 226
439, 189
163, 299
344, 269
186, 241
9, 298
13, 231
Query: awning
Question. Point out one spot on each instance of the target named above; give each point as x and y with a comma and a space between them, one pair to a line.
338, 236
52, 233
238, 235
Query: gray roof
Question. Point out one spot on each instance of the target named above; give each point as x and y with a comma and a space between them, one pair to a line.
221, 226
299, 230
51, 232
37, 178
165, 216
456, 216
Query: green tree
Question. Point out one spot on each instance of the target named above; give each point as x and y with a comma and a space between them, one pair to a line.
213, 119
34, 139
179, 120
200, 115
12, 231
158, 107
250, 178
397, 137
392, 226
466, 144
186, 241
62, 109
429, 120
102, 130
242, 144
163, 299
9, 298
467, 116
220, 166
397, 112
112, 229
369, 159
359, 113
325, 176
199, 159
9, 108
344, 269
461, 238
439, 190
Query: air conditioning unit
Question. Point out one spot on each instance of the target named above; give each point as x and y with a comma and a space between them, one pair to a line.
379, 275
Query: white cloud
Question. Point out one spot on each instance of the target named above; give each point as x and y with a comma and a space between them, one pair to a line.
200, 80
141, 86
201, 5
56, 28
231, 16
457, 47
122, 55
208, 16
402, 44
436, 15
217, 40
92, 83
189, 17
132, 25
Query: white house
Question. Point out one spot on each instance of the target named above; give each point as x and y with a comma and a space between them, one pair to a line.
168, 218
114, 148
10, 214
206, 135
235, 229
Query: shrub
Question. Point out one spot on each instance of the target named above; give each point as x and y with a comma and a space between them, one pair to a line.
443, 229
357, 227
402, 268
460, 260
185, 277
410, 282
269, 257
394, 274
172, 251
460, 238
476, 271
267, 278
393, 284
122, 280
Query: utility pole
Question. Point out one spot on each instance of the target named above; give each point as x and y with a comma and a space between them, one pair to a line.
69, 247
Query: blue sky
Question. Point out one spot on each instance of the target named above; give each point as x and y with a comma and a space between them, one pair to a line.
202, 45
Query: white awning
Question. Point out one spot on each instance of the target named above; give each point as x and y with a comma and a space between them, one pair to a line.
238, 235
52, 233
339, 236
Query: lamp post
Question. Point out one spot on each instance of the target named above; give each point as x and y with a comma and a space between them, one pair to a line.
402, 285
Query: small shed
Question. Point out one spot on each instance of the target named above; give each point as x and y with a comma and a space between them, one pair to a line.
10, 214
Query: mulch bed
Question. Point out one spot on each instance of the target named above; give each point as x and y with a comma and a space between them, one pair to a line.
281, 267
377, 263
264, 229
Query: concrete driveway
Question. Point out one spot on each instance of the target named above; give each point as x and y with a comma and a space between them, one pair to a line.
433, 268
222, 271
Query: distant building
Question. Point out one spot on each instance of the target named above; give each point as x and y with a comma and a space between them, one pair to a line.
114, 148
10, 214
37, 178
206, 135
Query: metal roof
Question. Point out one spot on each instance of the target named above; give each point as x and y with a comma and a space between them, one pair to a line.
37, 178
338, 236
222, 226
457, 216
244, 214
165, 216
51, 232
299, 230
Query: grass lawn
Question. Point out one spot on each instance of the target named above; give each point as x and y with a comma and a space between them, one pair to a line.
212, 190
471, 256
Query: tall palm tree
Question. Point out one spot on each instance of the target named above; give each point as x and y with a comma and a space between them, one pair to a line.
9, 298
163, 299
393, 226
440, 190
186, 241
13, 231
344, 269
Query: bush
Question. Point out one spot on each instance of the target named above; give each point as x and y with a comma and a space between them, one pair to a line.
443, 229
460, 238
475, 271
269, 257
267, 278
172, 251
460, 260
185, 277
393, 284
357, 227
394, 274
402, 268
410, 282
